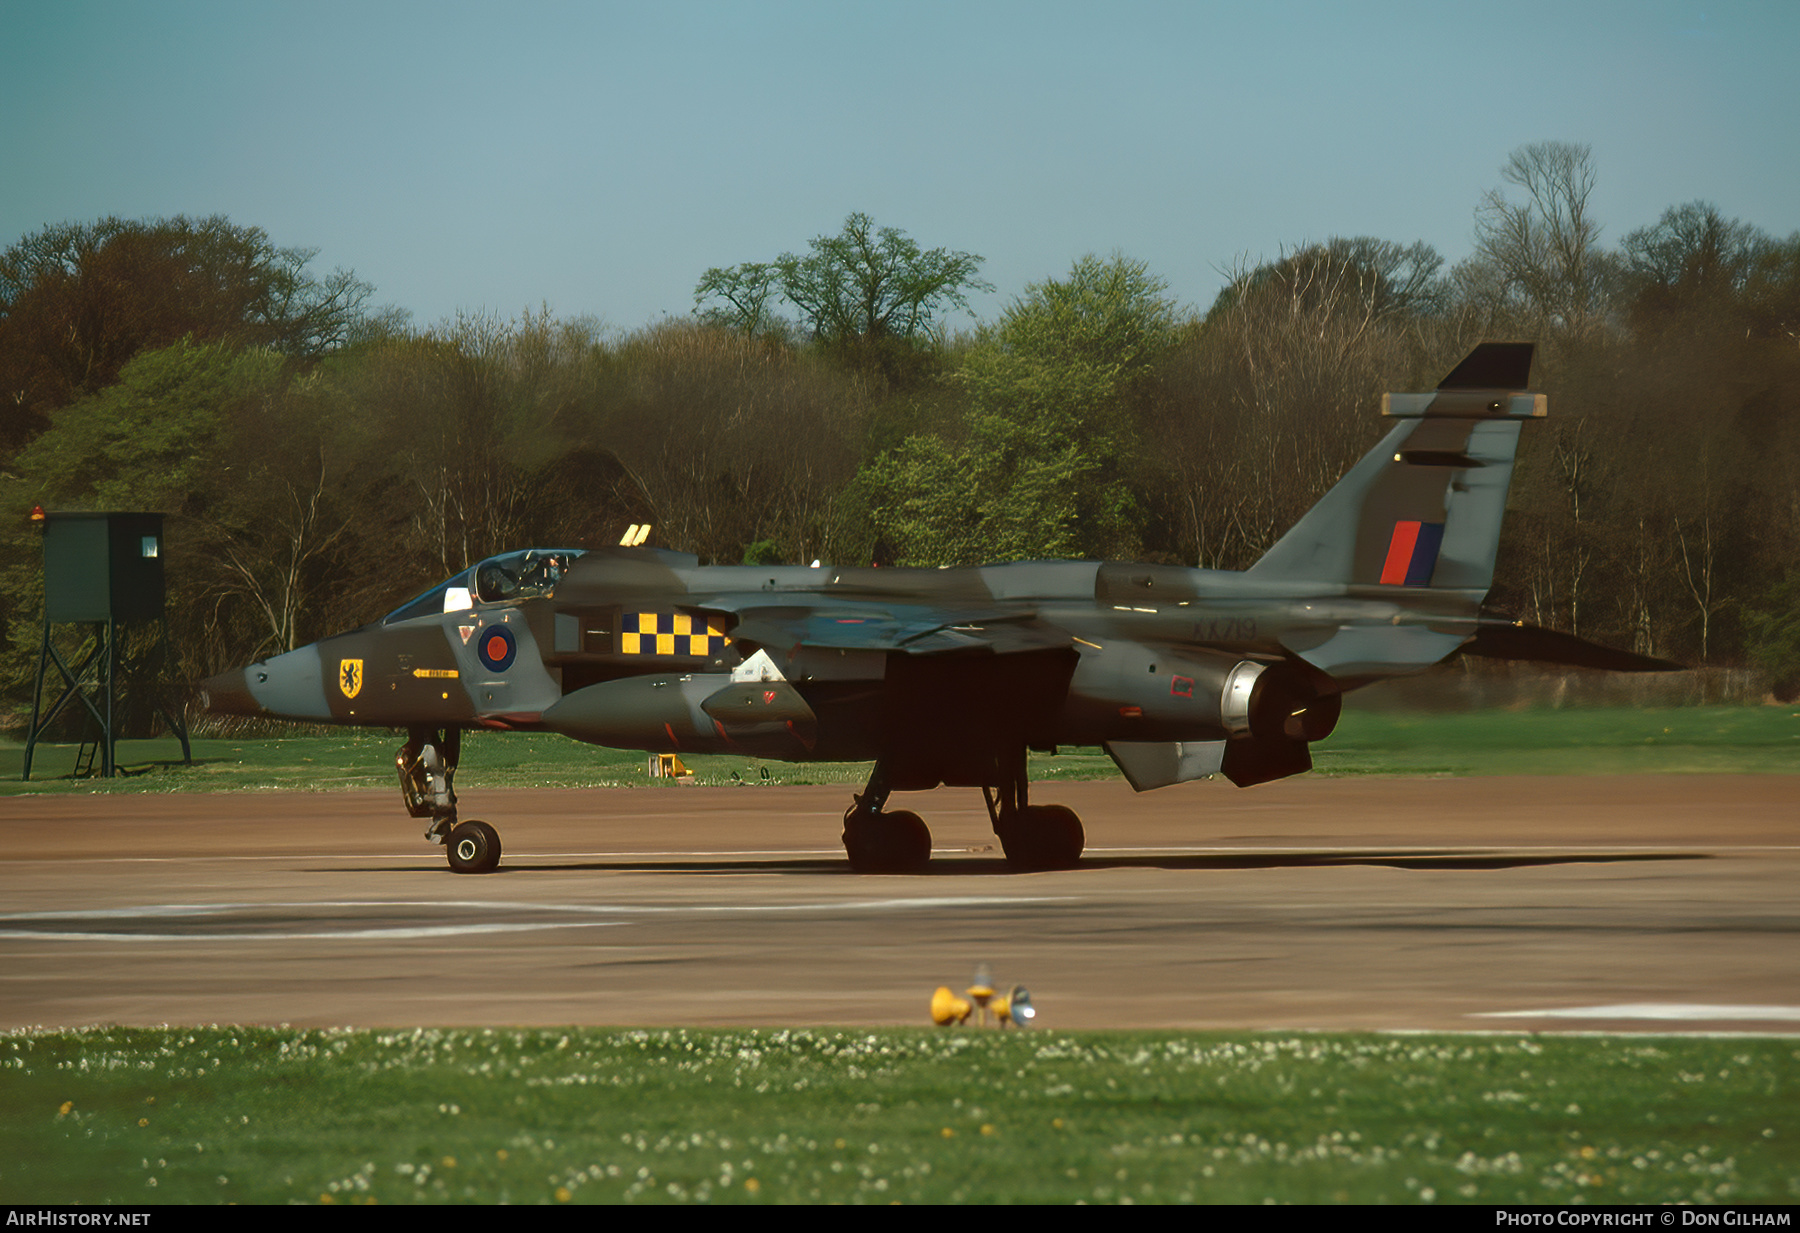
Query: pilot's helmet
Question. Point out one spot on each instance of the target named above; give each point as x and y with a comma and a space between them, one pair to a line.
494, 581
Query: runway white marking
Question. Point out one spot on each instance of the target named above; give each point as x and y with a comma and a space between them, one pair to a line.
425, 855
401, 932
1417, 849
641, 853
1668, 1011
203, 909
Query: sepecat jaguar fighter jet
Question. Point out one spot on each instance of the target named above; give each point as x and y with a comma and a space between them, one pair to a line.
949, 676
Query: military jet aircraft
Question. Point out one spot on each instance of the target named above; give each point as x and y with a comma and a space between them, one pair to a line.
949, 676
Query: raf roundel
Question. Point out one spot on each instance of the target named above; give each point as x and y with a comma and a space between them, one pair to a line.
496, 647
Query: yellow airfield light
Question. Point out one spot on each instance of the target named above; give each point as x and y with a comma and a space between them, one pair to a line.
947, 1008
982, 991
1011, 1009
1015, 1008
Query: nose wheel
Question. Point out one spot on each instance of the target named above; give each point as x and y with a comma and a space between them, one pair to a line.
473, 847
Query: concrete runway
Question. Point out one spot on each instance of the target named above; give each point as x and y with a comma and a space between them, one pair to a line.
1653, 903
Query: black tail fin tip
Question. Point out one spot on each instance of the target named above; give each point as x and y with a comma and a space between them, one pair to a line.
1492, 366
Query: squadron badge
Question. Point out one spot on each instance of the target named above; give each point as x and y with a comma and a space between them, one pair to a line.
350, 677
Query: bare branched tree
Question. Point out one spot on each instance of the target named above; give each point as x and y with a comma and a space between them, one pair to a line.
733, 440
1545, 249
1278, 384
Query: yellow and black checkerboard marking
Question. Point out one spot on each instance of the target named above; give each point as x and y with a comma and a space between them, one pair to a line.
671, 633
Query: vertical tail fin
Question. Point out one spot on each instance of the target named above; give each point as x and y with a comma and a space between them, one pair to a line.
1423, 508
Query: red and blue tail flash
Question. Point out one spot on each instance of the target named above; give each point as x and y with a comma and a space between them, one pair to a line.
1412, 554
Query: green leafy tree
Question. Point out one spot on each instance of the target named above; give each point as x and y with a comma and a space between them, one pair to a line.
150, 440
1007, 492
1774, 629
175, 434
79, 300
740, 297
872, 284
1040, 470
863, 290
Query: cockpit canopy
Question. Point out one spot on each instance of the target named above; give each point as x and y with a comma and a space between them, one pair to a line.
529, 574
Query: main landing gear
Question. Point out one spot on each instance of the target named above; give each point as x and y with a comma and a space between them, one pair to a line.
427, 766
878, 842
1033, 837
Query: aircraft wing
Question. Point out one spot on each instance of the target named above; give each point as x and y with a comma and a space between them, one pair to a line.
909, 629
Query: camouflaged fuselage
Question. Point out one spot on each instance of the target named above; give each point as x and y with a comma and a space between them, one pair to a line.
1097, 652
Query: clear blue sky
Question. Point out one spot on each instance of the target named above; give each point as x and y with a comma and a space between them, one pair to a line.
599, 156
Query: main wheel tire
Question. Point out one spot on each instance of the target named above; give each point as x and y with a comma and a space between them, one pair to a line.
473, 847
897, 842
1043, 837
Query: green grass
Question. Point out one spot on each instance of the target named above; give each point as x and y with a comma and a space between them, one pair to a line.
1572, 741
266, 1115
364, 758
1592, 741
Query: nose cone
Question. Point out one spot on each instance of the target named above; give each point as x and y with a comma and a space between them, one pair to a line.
229, 694
290, 686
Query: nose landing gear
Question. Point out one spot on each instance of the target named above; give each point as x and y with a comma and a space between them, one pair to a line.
427, 767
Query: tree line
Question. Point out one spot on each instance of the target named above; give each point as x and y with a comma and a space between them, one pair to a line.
322, 460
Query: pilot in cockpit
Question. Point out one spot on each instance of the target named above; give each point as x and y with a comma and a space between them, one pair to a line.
496, 582
521, 575
541, 573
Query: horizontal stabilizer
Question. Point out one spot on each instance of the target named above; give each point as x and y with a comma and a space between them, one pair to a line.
1549, 646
